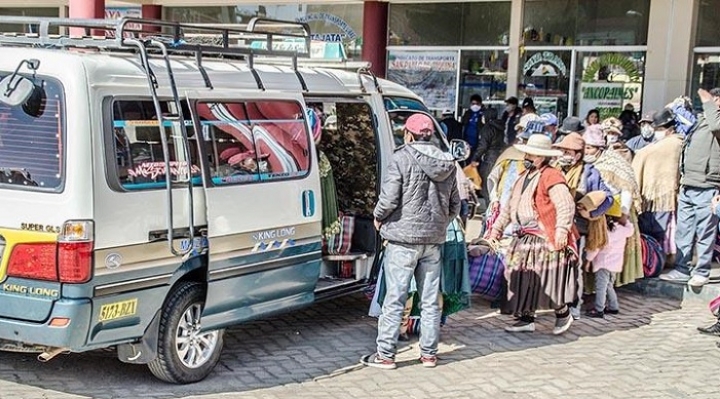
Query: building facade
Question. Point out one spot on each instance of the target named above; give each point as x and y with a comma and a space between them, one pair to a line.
569, 55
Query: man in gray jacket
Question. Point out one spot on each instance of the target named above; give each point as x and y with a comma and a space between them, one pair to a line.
418, 200
699, 184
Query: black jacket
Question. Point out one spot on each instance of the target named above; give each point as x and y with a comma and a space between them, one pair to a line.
491, 141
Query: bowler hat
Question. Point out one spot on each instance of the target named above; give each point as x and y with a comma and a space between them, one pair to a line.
664, 118
572, 124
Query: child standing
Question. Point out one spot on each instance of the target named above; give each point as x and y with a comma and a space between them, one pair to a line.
608, 261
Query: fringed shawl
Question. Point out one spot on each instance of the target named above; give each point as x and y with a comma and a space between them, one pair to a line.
657, 172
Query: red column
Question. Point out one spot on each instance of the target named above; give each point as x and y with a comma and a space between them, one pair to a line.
150, 11
86, 9
374, 35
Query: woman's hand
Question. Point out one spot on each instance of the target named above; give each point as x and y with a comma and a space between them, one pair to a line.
561, 237
494, 235
378, 224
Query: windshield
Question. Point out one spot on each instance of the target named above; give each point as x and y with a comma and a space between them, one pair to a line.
403, 103
31, 147
397, 122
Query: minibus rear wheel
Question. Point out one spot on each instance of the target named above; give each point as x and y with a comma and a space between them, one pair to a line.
185, 353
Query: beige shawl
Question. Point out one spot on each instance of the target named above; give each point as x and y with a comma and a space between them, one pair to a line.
657, 171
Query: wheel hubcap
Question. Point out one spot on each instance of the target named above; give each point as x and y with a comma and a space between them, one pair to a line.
194, 347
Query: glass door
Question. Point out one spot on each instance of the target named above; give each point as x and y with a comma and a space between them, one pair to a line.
546, 77
610, 82
483, 72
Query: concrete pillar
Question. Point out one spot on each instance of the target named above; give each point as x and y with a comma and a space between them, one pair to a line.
374, 35
671, 38
86, 9
515, 39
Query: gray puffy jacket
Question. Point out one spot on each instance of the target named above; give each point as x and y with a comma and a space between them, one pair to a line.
419, 196
700, 163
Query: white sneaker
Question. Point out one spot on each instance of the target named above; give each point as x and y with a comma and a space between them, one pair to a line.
698, 281
562, 325
521, 326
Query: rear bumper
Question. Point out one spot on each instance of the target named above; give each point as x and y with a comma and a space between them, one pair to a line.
73, 336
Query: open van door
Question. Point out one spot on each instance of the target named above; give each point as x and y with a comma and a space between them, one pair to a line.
262, 193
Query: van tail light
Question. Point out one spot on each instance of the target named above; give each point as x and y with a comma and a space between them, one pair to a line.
36, 261
70, 260
75, 252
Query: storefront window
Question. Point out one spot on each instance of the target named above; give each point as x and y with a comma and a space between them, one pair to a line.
545, 76
27, 12
706, 74
609, 82
328, 22
708, 33
483, 73
586, 22
450, 24
432, 75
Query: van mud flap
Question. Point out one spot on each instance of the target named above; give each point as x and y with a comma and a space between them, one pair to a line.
144, 351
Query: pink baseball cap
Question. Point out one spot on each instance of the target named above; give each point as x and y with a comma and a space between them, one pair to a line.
420, 125
594, 136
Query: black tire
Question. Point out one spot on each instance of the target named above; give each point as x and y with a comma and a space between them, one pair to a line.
168, 365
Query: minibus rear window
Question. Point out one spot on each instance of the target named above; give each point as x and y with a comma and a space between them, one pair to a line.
31, 139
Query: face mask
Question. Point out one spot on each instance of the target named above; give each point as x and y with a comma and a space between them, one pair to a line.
660, 134
566, 160
475, 108
529, 164
647, 132
590, 158
611, 139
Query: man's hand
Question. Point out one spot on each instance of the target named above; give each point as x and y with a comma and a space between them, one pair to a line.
378, 224
474, 164
624, 219
704, 95
715, 203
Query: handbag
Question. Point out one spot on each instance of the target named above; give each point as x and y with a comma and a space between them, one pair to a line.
471, 173
341, 243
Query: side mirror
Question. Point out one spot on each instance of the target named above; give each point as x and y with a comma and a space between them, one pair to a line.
15, 90
460, 150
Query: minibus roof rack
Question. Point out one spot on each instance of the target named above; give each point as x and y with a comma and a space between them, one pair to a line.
261, 36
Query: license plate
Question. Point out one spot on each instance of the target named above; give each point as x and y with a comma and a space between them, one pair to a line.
118, 310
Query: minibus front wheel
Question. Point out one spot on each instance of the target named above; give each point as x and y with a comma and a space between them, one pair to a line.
185, 353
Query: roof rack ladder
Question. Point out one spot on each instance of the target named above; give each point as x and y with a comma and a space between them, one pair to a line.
298, 74
365, 71
152, 83
255, 74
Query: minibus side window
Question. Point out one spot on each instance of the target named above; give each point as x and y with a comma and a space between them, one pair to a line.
139, 159
254, 140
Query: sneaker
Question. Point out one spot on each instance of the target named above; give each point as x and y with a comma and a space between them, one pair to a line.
521, 326
374, 360
562, 324
428, 361
594, 314
575, 313
698, 281
612, 311
711, 330
675, 276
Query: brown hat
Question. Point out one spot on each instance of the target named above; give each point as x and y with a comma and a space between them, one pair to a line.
592, 200
572, 141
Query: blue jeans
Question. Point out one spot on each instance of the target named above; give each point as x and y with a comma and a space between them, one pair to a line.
605, 290
697, 227
402, 262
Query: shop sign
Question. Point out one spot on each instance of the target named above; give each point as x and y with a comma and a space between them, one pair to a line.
545, 63
431, 75
346, 32
608, 98
122, 12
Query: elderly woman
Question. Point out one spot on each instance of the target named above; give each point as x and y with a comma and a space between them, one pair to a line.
542, 266
619, 177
